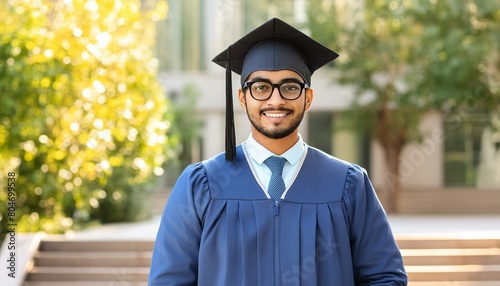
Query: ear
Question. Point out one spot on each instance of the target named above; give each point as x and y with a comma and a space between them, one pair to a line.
242, 99
309, 98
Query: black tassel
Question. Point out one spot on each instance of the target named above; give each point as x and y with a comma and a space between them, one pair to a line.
230, 133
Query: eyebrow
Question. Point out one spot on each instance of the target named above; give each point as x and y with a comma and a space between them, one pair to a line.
288, 79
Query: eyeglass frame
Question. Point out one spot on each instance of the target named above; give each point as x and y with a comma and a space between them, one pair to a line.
248, 84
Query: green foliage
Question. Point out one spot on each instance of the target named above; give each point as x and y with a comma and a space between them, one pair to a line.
414, 55
408, 57
456, 45
84, 120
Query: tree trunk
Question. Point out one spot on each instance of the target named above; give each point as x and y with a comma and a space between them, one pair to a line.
392, 138
392, 188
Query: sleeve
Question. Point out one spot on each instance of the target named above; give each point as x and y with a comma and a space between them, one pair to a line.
375, 254
175, 254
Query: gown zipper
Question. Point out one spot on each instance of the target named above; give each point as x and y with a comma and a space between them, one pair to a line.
276, 244
276, 208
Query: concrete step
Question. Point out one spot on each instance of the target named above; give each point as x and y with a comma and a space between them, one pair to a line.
446, 243
90, 283
83, 261
132, 283
451, 261
94, 259
453, 273
483, 256
453, 283
95, 245
112, 274
428, 261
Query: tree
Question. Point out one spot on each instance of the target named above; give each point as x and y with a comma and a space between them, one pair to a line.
406, 58
84, 117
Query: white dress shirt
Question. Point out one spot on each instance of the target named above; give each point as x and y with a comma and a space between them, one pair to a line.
256, 154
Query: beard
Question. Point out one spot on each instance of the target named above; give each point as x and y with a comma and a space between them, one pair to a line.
277, 132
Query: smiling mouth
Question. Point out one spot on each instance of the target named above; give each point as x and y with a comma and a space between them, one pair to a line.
275, 115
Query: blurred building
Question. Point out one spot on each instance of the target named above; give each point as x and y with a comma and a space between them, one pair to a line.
447, 172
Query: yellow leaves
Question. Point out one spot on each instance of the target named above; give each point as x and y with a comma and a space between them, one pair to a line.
87, 171
91, 5
59, 155
3, 134
28, 157
34, 222
77, 32
96, 111
44, 139
29, 146
45, 82
116, 160
159, 12
139, 164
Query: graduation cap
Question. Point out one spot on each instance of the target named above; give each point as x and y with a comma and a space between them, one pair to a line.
273, 46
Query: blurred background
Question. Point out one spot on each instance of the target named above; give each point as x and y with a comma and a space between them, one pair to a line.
104, 102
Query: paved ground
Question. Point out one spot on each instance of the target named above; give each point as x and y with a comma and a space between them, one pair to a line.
482, 226
477, 226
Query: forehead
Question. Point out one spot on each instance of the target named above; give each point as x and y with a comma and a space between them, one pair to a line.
275, 76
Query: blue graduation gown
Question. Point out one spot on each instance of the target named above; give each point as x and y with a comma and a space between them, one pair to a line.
219, 228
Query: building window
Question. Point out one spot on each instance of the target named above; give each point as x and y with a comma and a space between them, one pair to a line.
320, 128
328, 132
462, 148
179, 37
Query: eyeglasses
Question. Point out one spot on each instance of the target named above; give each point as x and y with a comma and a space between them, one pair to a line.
262, 90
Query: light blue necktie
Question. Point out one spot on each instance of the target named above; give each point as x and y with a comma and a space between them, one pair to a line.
276, 184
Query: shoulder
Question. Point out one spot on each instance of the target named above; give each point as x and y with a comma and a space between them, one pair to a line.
193, 173
349, 177
325, 158
324, 163
217, 161
230, 180
217, 165
320, 157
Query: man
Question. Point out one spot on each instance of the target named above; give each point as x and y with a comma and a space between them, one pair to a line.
273, 210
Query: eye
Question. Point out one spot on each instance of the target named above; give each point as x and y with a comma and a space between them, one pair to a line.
261, 87
290, 87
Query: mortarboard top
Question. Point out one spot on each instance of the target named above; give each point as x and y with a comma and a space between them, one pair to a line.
275, 45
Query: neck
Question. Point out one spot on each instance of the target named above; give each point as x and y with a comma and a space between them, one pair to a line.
277, 146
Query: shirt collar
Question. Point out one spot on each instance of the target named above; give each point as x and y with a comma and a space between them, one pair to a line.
259, 153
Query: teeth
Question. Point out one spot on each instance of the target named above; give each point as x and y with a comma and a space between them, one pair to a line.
276, 115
